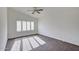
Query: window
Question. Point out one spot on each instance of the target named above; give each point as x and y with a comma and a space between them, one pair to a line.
18, 26
32, 25
28, 25
23, 25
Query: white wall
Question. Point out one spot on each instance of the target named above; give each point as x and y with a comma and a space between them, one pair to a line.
13, 16
60, 23
3, 28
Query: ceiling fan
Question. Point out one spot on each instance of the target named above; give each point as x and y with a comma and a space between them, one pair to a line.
36, 10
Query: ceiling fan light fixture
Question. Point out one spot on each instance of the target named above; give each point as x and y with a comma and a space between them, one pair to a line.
36, 10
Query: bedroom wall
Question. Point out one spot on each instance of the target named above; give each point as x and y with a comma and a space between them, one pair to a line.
60, 23
13, 16
3, 28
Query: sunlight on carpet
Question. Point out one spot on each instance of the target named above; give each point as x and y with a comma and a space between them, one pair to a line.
27, 43
16, 45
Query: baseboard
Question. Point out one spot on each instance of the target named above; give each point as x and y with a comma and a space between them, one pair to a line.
23, 36
60, 40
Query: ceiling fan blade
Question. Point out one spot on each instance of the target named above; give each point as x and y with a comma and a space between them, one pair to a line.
33, 12
36, 9
40, 10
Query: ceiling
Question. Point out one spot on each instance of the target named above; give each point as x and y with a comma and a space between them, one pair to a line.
25, 10
48, 12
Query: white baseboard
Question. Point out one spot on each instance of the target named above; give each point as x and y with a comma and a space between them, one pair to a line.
61, 39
